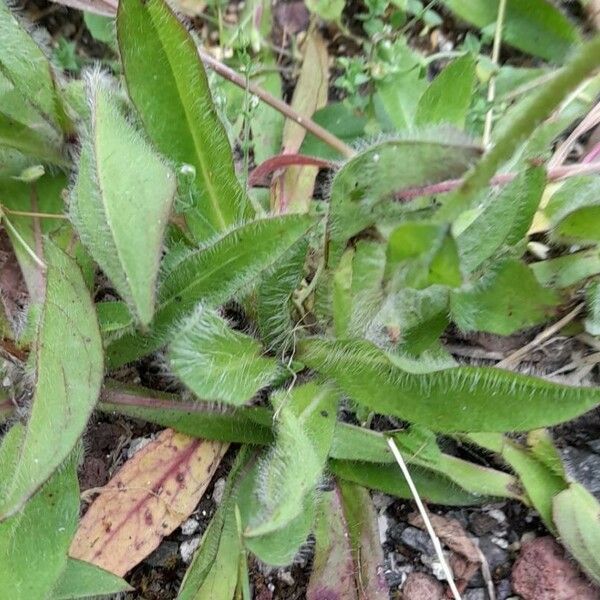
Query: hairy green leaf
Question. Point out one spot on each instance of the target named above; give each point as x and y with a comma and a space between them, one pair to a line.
18, 136
168, 85
24, 63
244, 425
253, 426
333, 569
534, 26
66, 389
121, 216
411, 317
592, 297
363, 531
34, 542
363, 186
289, 473
358, 288
273, 299
448, 96
218, 363
83, 580
212, 274
577, 517
574, 210
421, 254
213, 572
506, 299
455, 399
280, 546
565, 271
503, 220
432, 487
541, 480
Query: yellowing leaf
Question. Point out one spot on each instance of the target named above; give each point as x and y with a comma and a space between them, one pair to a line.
297, 184
146, 500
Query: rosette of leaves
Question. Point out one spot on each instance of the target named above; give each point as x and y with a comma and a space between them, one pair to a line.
343, 304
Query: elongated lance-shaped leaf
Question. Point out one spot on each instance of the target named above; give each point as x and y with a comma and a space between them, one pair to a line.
333, 567
373, 175
291, 470
432, 487
34, 542
24, 63
504, 219
212, 274
363, 532
353, 443
69, 370
247, 425
167, 83
218, 363
448, 96
358, 288
538, 467
121, 202
577, 518
455, 399
213, 572
274, 296
84, 580
253, 425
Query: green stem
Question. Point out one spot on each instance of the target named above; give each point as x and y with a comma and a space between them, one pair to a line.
541, 105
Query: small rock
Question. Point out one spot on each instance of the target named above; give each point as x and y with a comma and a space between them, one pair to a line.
137, 444
189, 527
381, 501
419, 586
542, 572
382, 526
495, 556
286, 576
503, 589
482, 523
498, 515
584, 466
188, 548
218, 490
164, 556
417, 540
475, 594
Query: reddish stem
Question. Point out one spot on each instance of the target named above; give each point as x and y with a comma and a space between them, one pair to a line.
259, 174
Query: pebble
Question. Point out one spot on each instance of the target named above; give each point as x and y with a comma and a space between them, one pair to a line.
286, 576
189, 527
475, 594
218, 490
494, 554
584, 466
417, 540
188, 548
382, 526
137, 444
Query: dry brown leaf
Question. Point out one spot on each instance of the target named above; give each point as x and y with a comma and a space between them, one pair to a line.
294, 189
150, 496
467, 558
